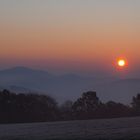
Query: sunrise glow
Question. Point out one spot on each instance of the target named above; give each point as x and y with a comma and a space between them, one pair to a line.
121, 63
51, 36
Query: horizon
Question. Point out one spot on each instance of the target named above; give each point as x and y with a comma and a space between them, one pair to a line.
96, 73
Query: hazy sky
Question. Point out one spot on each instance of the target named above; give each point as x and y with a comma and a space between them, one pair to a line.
69, 35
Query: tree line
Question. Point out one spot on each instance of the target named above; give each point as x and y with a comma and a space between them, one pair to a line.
17, 108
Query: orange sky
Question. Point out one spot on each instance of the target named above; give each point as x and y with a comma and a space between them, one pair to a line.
67, 32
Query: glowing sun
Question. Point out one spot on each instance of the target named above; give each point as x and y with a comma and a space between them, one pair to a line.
121, 62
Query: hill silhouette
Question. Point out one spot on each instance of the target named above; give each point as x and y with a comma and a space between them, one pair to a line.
68, 86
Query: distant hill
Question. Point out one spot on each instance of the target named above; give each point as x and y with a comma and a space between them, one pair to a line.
17, 89
68, 86
120, 90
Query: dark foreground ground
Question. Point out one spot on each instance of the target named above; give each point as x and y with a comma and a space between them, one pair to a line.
104, 129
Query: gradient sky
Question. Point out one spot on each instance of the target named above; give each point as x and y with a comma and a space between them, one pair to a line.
69, 35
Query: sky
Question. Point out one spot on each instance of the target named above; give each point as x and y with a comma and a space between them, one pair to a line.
70, 35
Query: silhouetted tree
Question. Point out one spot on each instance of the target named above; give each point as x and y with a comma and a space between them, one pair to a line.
26, 107
136, 104
35, 108
66, 110
87, 106
113, 109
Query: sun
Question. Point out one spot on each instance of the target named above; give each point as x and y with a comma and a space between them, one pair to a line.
121, 62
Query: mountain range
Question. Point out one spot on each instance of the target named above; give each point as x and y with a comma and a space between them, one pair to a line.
68, 86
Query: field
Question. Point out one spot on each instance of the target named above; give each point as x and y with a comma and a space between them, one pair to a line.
104, 129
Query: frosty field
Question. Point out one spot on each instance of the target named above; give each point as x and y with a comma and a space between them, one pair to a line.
121, 128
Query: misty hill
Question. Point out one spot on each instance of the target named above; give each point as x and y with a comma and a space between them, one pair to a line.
24, 77
68, 86
120, 90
